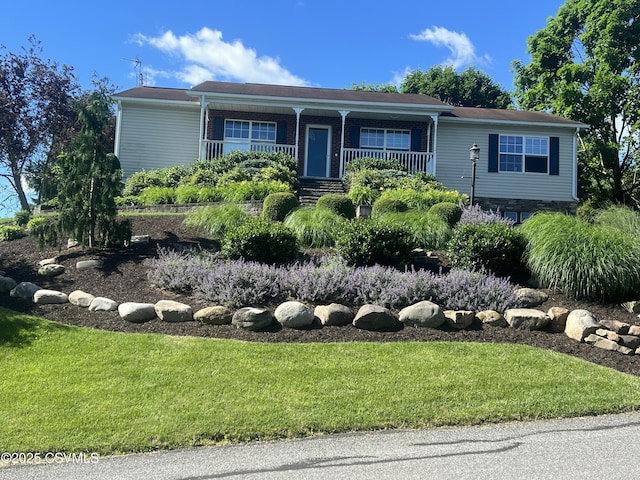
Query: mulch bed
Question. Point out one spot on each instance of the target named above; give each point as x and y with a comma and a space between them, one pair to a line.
124, 279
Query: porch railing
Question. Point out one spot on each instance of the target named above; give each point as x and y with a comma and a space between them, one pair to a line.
413, 161
216, 148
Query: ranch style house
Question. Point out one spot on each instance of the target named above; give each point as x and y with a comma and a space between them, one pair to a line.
527, 160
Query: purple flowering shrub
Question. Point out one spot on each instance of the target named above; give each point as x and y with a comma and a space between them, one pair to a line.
476, 215
237, 283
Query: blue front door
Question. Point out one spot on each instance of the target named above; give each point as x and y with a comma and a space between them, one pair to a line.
318, 152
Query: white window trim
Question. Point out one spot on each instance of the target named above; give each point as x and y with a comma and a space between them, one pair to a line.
523, 155
251, 126
386, 136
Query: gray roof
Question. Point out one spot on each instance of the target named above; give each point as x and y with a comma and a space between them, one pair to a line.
157, 93
509, 116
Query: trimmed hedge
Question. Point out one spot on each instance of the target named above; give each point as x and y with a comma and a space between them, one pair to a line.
277, 206
337, 203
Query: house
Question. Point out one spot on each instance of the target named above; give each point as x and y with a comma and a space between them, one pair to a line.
527, 159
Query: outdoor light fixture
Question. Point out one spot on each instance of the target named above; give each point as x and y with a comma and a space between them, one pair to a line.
474, 156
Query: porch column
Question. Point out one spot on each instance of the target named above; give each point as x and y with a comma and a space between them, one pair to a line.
298, 111
202, 127
344, 114
434, 118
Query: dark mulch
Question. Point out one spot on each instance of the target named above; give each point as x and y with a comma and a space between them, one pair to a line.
124, 278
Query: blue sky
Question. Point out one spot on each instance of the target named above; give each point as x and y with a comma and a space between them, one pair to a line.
328, 43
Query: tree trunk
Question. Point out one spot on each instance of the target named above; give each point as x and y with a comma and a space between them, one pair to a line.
17, 186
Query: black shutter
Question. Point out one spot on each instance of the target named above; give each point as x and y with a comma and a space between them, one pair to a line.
218, 128
416, 139
554, 156
493, 152
354, 136
281, 133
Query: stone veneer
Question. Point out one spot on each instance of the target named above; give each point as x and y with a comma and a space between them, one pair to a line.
529, 206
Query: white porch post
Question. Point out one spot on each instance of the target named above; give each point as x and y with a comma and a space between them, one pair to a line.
344, 114
434, 118
298, 112
202, 128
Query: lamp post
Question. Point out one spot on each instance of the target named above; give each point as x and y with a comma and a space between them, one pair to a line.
474, 156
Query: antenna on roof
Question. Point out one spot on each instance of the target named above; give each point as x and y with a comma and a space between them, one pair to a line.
137, 66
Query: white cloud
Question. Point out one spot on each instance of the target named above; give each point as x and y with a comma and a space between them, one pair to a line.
462, 50
207, 56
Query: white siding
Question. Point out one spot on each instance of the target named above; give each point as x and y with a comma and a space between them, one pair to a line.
453, 167
154, 136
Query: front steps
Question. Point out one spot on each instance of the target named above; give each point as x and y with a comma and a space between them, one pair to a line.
311, 189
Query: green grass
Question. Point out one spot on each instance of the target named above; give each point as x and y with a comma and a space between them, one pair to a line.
76, 389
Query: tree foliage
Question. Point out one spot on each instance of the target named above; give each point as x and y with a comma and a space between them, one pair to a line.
584, 66
35, 109
374, 87
471, 88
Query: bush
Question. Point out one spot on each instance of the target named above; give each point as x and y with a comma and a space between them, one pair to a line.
187, 194
586, 261
210, 194
365, 242
262, 241
277, 206
494, 247
215, 220
337, 203
158, 196
44, 228
427, 231
169, 177
22, 217
619, 217
10, 232
388, 205
476, 215
423, 199
315, 227
128, 201
362, 195
449, 212
371, 163
246, 191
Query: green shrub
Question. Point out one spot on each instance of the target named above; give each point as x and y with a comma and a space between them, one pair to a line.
424, 200
449, 212
158, 196
169, 177
277, 206
315, 227
620, 217
246, 190
44, 228
187, 194
128, 201
366, 242
586, 261
215, 220
371, 163
262, 241
388, 205
22, 217
495, 247
210, 194
363, 195
337, 203
10, 232
427, 231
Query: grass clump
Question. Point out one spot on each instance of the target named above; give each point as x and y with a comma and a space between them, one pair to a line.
315, 227
583, 260
426, 231
215, 220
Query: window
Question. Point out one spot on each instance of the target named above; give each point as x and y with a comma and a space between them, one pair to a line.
380, 139
523, 154
246, 135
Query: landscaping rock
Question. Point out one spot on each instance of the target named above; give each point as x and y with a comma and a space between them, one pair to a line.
47, 261
608, 334
140, 239
51, 270
492, 318
293, 314
374, 317
87, 264
7, 284
46, 297
530, 297
558, 319
71, 243
617, 326
102, 304
606, 344
459, 319
80, 298
136, 312
334, 314
25, 290
526, 318
172, 311
634, 330
630, 341
252, 318
580, 323
424, 314
632, 307
216, 315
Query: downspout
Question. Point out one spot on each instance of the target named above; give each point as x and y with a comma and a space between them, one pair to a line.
344, 114
298, 112
434, 118
116, 146
574, 186
202, 127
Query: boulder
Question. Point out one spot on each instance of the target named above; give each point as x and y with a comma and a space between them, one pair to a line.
136, 312
216, 315
558, 319
51, 270
252, 318
608, 334
102, 304
459, 319
374, 317
88, 264
634, 330
172, 311
530, 297
422, 314
47, 261
630, 341
293, 314
492, 318
71, 243
80, 298
580, 323
25, 290
140, 239
334, 314
46, 297
7, 284
526, 318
